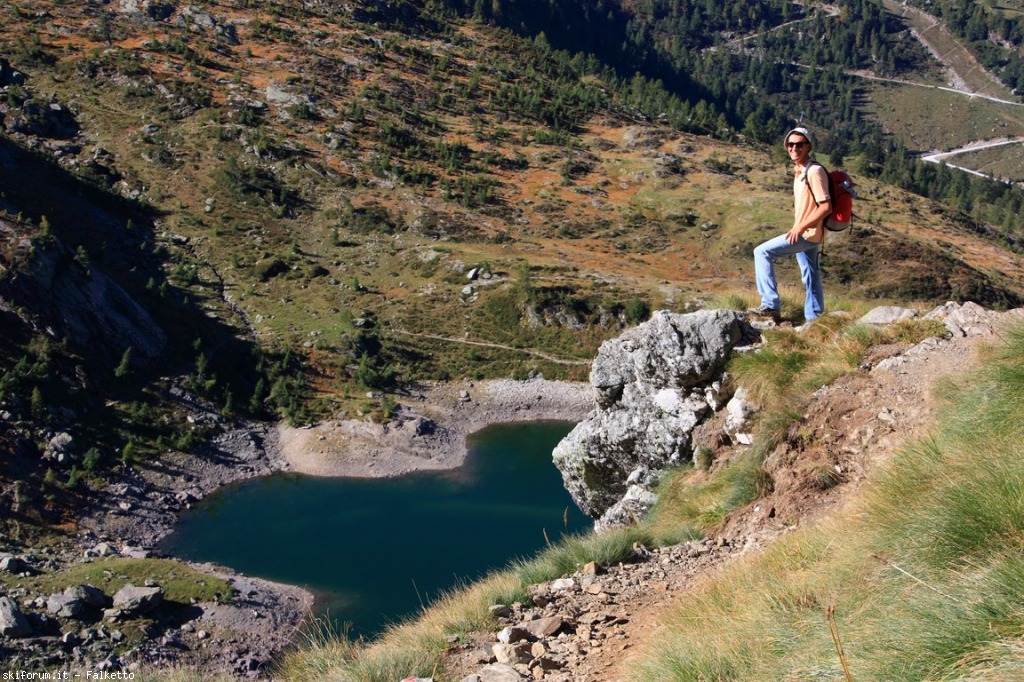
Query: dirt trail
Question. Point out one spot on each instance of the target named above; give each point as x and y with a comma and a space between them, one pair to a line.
854, 426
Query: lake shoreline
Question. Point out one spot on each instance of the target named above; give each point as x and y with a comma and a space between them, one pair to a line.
430, 428
428, 433
407, 528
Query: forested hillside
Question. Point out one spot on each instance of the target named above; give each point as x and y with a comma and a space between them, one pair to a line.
994, 32
769, 64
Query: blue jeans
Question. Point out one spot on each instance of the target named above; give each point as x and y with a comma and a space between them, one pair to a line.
806, 256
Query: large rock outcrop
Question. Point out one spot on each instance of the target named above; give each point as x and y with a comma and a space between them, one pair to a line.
654, 384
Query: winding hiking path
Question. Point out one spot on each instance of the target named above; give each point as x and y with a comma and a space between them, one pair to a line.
486, 344
965, 72
940, 157
966, 75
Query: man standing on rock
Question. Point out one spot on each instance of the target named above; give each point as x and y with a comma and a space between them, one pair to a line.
812, 205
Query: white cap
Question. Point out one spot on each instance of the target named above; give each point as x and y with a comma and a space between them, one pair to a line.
799, 131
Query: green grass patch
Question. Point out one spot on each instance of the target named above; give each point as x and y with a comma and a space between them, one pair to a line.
910, 112
181, 583
572, 553
689, 502
781, 377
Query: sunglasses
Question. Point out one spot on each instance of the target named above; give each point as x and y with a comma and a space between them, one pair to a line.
795, 145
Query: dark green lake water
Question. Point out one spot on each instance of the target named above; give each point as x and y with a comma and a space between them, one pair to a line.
373, 549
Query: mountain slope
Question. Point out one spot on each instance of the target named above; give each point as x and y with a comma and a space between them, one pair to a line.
297, 195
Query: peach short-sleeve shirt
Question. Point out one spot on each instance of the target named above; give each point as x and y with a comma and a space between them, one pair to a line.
803, 200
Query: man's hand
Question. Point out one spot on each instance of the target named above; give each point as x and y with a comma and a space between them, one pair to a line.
793, 236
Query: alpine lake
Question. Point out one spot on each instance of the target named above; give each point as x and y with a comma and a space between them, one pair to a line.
375, 551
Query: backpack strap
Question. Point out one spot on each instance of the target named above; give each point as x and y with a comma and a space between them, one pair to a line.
812, 164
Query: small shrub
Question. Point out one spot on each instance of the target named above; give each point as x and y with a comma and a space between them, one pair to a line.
121, 371
746, 480
388, 408
637, 311
92, 458
73, 478
703, 458
826, 476
129, 454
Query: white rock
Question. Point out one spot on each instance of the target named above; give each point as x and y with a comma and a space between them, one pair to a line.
887, 314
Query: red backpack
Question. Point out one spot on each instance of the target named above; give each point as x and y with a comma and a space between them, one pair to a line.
841, 195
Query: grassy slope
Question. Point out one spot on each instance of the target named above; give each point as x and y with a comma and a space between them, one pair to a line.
920, 577
619, 228
939, 525
923, 576
953, 52
913, 113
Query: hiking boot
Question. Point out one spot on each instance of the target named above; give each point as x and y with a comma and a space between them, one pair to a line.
765, 311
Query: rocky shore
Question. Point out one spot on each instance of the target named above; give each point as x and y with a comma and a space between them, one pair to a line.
429, 429
239, 635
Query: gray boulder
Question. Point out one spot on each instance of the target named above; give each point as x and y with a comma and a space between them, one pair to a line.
40, 118
513, 634
13, 622
101, 549
497, 672
965, 319
887, 314
13, 565
195, 17
542, 628
512, 654
135, 552
133, 601
277, 94
89, 595
65, 605
739, 415
153, 9
60, 447
633, 506
651, 393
